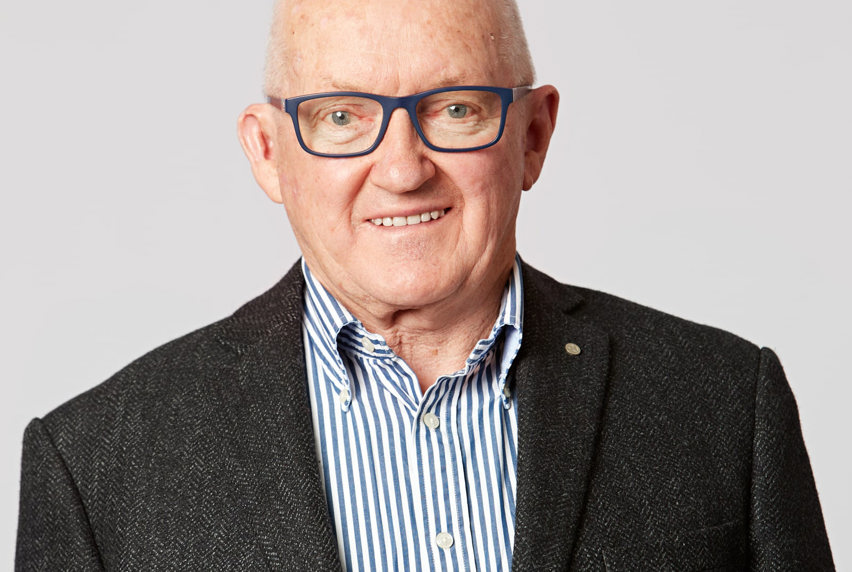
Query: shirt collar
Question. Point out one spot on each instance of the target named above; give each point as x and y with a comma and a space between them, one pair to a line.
510, 322
326, 319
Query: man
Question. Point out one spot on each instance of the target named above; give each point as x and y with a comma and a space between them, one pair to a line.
411, 395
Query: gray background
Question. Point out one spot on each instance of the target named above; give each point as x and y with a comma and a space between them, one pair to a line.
701, 166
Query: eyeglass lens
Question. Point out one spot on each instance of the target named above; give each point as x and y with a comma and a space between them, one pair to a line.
342, 124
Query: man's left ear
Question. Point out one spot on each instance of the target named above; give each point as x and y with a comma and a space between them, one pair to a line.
543, 105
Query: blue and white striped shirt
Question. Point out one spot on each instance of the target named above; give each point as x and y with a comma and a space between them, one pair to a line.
413, 480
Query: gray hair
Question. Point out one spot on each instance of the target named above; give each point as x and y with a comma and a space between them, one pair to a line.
514, 48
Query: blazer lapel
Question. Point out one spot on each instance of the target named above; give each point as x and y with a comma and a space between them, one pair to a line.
268, 410
560, 403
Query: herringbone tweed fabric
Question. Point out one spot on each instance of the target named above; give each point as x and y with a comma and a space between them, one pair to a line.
662, 445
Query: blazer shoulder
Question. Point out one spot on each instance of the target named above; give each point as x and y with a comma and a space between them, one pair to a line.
148, 380
628, 317
638, 330
180, 371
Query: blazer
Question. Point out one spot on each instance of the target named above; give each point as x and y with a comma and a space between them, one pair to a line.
660, 445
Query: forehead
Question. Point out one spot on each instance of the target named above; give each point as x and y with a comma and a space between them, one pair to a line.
393, 46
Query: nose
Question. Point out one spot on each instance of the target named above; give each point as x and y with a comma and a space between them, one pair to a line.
400, 162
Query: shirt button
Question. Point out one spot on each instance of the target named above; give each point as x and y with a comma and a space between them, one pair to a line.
444, 540
572, 349
368, 345
343, 398
432, 422
507, 393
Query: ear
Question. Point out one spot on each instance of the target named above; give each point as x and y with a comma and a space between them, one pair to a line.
258, 133
543, 105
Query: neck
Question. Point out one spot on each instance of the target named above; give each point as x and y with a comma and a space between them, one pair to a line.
436, 339
442, 347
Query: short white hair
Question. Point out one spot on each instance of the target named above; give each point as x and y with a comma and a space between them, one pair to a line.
514, 47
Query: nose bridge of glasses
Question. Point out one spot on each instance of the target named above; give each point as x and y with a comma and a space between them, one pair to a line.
409, 104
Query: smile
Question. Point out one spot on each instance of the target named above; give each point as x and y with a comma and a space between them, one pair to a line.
408, 220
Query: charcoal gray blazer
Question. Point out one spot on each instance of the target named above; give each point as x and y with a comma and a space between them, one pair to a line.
662, 445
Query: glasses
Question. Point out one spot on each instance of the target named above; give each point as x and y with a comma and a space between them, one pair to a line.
449, 119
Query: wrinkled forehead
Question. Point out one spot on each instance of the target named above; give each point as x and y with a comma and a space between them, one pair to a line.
382, 45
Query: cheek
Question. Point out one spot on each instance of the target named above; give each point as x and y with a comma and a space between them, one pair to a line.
319, 193
493, 181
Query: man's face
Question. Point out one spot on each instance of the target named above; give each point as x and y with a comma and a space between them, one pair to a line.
400, 48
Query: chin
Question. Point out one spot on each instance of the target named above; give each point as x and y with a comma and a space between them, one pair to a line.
411, 292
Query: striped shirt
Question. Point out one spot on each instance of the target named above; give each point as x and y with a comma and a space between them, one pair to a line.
414, 480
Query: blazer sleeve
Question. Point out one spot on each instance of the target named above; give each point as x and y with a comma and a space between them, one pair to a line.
53, 527
787, 530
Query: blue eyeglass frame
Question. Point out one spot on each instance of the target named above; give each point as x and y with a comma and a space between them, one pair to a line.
390, 104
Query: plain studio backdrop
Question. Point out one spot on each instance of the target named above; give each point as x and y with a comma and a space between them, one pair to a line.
701, 165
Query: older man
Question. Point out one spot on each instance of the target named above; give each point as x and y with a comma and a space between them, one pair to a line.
411, 396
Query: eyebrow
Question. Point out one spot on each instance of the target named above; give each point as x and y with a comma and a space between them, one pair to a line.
343, 86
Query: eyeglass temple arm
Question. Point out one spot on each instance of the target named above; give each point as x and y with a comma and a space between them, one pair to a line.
519, 92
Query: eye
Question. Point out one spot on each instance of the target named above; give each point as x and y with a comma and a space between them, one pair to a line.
457, 110
341, 118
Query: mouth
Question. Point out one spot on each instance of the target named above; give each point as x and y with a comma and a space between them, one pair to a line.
410, 219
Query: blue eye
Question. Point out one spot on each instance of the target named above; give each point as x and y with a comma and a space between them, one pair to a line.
341, 118
457, 111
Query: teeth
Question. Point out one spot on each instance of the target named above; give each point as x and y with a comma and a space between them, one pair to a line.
409, 220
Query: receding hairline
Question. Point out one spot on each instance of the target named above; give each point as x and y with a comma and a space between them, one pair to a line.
513, 46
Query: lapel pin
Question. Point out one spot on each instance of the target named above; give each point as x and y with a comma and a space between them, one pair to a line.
572, 349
